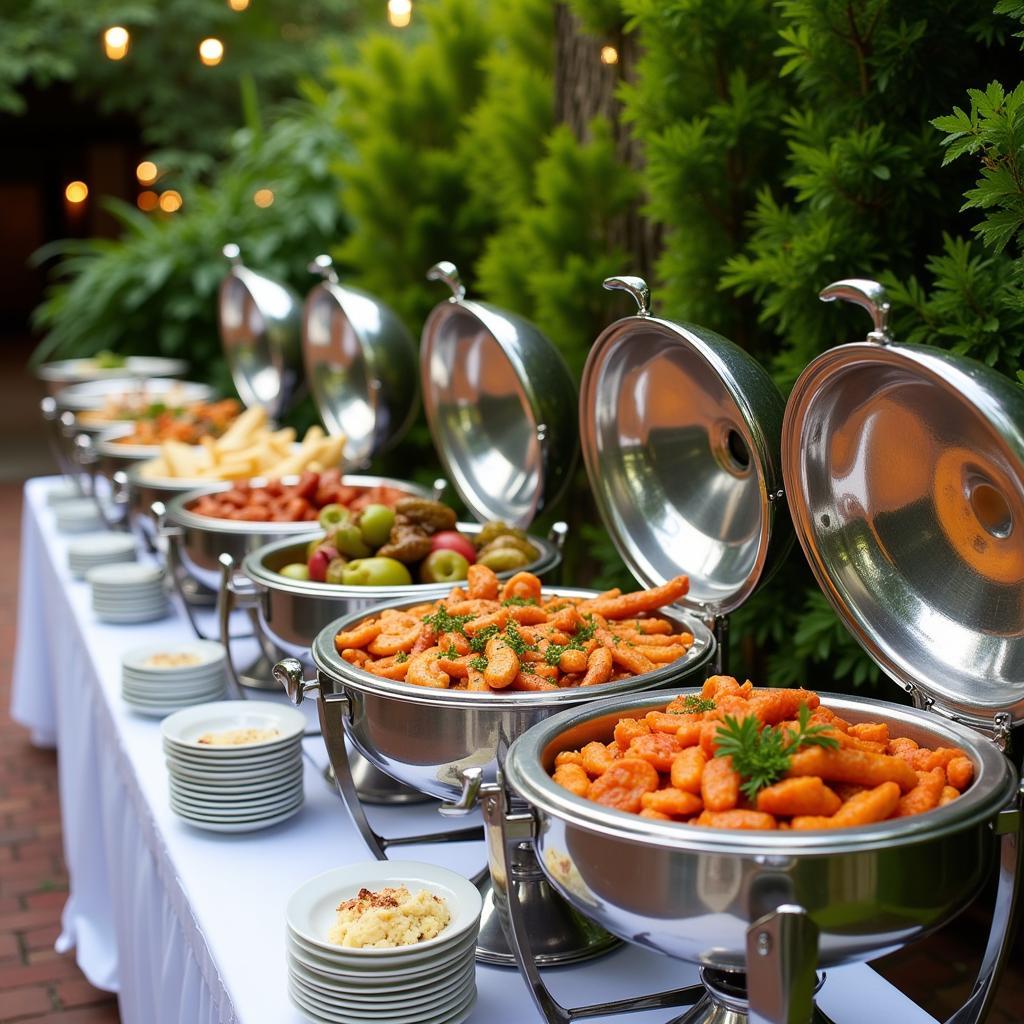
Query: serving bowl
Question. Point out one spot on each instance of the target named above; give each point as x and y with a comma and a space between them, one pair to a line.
708, 895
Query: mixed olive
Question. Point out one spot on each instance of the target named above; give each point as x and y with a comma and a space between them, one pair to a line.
415, 541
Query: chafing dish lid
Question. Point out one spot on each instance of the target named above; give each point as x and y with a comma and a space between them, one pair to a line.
500, 403
360, 364
259, 331
680, 432
904, 471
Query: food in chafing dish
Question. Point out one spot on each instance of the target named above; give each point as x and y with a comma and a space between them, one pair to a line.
247, 448
237, 737
492, 636
740, 757
389, 917
163, 421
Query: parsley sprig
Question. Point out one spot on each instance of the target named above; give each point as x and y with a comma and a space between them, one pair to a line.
695, 704
762, 756
442, 622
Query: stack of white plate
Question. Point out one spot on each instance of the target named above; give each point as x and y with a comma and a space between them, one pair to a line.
128, 592
432, 982
79, 515
99, 549
62, 492
162, 678
236, 788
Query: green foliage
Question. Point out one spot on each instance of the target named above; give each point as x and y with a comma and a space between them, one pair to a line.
272, 44
154, 289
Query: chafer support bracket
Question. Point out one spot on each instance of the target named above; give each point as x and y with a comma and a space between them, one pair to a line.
334, 711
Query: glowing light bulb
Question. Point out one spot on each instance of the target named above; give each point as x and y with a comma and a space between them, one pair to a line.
238, 5
609, 55
170, 201
146, 172
115, 42
263, 197
211, 51
76, 192
147, 201
399, 12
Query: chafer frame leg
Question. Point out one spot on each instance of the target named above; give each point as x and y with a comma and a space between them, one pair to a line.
511, 831
259, 675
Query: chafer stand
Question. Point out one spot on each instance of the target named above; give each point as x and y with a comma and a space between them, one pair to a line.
834, 392
57, 426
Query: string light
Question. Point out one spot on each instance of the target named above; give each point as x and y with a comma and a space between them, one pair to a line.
238, 5
399, 13
211, 51
146, 172
170, 201
148, 201
609, 55
263, 197
115, 42
76, 192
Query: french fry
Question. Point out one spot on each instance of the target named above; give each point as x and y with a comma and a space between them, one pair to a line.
239, 434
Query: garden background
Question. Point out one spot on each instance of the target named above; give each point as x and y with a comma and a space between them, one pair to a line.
738, 154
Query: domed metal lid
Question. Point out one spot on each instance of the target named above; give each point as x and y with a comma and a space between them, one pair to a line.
360, 365
904, 468
680, 435
259, 330
501, 405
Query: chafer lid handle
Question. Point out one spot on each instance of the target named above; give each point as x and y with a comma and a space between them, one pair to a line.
868, 294
232, 253
636, 286
446, 271
48, 407
324, 266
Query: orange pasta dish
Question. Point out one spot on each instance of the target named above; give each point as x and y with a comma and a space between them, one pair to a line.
740, 757
490, 636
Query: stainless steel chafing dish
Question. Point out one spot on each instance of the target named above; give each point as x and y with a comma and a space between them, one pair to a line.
360, 364
904, 470
259, 330
449, 744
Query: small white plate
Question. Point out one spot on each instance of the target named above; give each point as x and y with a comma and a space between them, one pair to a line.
324, 1015
239, 805
200, 758
183, 731
183, 771
240, 826
122, 574
229, 794
101, 545
446, 994
310, 912
208, 652
410, 989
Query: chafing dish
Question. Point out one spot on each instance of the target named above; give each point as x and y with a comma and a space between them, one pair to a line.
93, 395
58, 375
448, 743
904, 470
360, 364
259, 331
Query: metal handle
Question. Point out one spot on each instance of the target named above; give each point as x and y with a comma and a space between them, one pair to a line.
120, 491
324, 266
292, 677
437, 489
558, 534
782, 959
472, 779
229, 597
869, 295
232, 253
446, 271
636, 286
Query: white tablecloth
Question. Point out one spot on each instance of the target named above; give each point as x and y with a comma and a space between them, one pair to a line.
188, 926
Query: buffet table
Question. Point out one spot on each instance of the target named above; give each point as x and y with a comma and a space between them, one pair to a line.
188, 926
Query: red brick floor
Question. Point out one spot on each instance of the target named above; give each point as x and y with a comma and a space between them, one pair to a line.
36, 984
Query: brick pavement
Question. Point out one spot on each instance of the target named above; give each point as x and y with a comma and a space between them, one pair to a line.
37, 985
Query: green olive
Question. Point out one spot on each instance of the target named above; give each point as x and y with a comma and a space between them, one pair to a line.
507, 540
375, 524
503, 559
349, 541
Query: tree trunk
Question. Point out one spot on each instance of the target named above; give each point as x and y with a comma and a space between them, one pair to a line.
585, 88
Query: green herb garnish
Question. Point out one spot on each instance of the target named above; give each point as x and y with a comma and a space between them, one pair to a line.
694, 704
441, 622
451, 653
478, 641
516, 641
401, 657
762, 756
518, 602
479, 663
553, 653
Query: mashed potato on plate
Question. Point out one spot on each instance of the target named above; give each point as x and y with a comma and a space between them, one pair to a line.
390, 917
